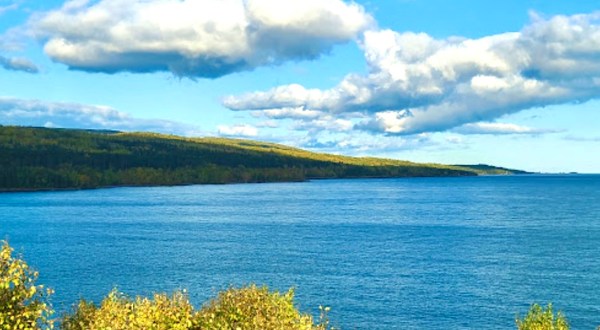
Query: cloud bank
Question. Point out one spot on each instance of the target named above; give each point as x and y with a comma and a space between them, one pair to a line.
208, 38
418, 84
73, 115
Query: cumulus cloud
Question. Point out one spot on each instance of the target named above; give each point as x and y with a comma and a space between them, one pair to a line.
208, 38
243, 130
292, 97
73, 115
18, 64
310, 121
417, 83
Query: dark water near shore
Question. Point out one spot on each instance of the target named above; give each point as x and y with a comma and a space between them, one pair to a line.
424, 253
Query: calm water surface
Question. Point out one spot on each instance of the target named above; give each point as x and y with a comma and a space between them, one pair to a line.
425, 253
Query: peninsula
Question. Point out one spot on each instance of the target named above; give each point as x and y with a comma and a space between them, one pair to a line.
48, 158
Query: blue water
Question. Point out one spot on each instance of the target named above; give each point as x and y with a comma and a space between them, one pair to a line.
423, 253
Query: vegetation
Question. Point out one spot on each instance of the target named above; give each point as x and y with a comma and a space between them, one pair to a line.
482, 169
255, 308
237, 308
43, 158
117, 311
23, 304
539, 318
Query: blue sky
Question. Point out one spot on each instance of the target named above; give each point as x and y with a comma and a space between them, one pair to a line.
510, 83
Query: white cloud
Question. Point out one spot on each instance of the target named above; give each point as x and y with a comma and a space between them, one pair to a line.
268, 124
7, 8
73, 115
289, 113
208, 38
292, 97
243, 130
364, 144
18, 64
498, 128
325, 123
593, 139
417, 83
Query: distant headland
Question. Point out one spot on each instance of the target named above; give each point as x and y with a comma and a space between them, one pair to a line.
51, 159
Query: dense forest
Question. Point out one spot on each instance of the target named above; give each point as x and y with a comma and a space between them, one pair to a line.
43, 158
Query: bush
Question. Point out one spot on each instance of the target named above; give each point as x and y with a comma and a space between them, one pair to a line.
249, 307
254, 307
23, 304
117, 311
542, 319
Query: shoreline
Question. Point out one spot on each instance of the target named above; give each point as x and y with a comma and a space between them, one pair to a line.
33, 190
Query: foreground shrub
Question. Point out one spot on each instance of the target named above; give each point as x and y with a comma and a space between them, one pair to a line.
117, 311
23, 304
542, 319
254, 307
244, 308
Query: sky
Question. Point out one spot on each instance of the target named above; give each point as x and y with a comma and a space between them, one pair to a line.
508, 83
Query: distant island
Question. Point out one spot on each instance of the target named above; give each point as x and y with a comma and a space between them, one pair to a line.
35, 158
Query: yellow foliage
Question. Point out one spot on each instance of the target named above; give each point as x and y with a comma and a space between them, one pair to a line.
254, 307
118, 312
542, 319
245, 308
23, 304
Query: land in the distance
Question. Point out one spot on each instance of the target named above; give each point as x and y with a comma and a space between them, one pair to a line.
43, 158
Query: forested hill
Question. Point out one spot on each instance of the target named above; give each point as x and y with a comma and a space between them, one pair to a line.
43, 158
483, 169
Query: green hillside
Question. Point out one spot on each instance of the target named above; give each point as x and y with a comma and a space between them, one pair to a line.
43, 158
483, 169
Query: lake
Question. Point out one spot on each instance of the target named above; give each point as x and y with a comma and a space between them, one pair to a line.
419, 253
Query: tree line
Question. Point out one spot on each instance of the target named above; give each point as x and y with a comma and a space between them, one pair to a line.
43, 158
